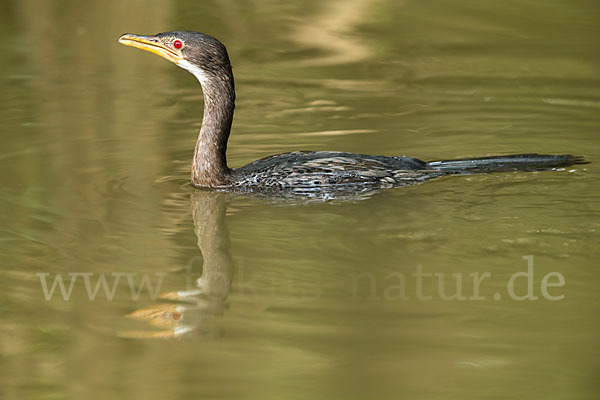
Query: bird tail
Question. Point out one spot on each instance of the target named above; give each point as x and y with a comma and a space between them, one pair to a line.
517, 162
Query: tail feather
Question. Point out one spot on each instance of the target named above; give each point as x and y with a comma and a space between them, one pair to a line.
517, 162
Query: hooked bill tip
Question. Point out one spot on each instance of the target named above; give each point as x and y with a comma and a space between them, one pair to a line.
125, 37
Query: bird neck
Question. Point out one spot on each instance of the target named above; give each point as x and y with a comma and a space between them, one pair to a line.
209, 167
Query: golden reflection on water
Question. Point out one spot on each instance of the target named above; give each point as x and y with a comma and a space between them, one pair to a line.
330, 30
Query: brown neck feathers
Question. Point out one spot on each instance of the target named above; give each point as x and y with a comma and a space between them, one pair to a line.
209, 167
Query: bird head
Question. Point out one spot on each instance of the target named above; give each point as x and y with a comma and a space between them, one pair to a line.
201, 54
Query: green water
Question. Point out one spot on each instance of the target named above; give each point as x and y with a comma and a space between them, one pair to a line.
300, 301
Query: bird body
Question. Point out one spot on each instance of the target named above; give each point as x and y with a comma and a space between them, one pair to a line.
305, 171
297, 172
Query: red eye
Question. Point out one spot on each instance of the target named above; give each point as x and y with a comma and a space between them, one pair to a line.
178, 44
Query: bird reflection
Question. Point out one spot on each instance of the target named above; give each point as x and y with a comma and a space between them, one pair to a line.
196, 310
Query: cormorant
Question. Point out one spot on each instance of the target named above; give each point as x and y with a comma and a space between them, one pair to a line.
299, 171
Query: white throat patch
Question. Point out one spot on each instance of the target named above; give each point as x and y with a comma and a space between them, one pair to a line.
198, 72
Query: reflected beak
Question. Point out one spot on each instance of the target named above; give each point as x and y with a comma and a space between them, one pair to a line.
151, 44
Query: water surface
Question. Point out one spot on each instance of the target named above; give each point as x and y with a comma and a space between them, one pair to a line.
318, 300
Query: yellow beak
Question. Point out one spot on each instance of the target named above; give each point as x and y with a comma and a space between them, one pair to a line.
151, 44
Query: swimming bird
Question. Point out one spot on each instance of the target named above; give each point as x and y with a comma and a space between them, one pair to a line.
300, 171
